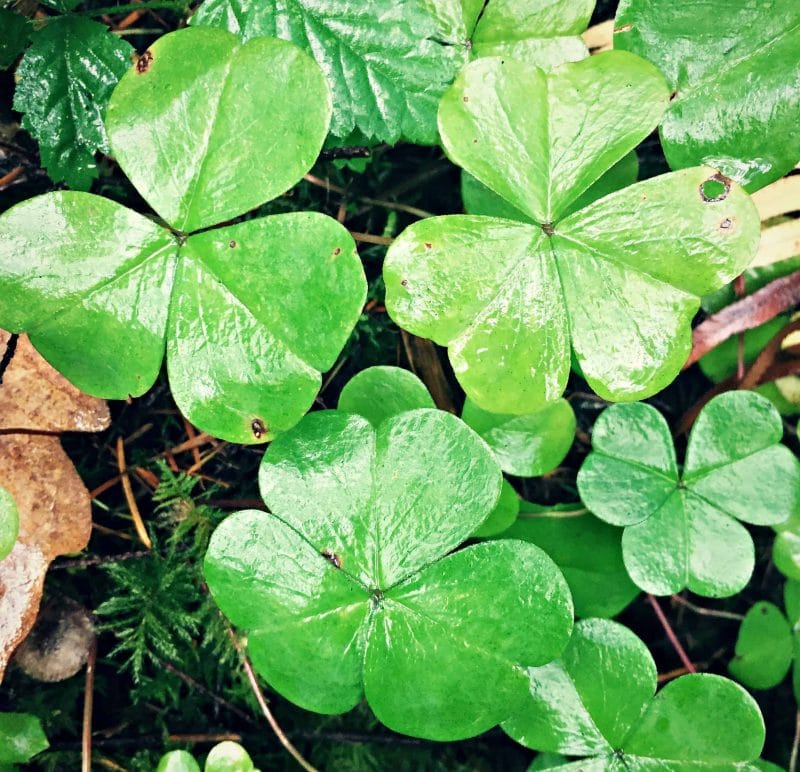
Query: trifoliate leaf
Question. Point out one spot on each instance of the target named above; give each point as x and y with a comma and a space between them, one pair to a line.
587, 550
599, 700
509, 299
64, 82
250, 313
9, 522
346, 589
527, 445
21, 738
764, 650
681, 528
714, 68
378, 393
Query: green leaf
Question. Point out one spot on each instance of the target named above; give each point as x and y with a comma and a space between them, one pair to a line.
597, 700
21, 738
14, 36
682, 530
763, 648
618, 281
587, 550
528, 445
64, 82
503, 515
721, 362
229, 756
786, 548
178, 761
258, 311
544, 34
187, 125
93, 290
384, 63
714, 68
251, 313
378, 393
9, 523
346, 591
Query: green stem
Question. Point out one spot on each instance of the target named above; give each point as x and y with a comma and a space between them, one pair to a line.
553, 513
151, 5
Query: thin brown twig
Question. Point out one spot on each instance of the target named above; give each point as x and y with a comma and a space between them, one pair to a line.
138, 523
707, 612
369, 238
7, 179
262, 702
673, 639
795, 745
88, 702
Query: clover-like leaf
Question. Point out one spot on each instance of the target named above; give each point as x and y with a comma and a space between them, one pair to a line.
9, 522
617, 281
526, 445
346, 591
177, 761
587, 550
21, 738
64, 82
250, 313
681, 528
598, 700
381, 392
764, 650
714, 69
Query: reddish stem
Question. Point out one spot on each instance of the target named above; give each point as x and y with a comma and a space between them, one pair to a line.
673, 639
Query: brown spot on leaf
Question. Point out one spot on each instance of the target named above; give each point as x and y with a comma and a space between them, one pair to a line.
404, 283
726, 224
466, 99
337, 251
428, 245
716, 188
232, 243
332, 557
143, 62
258, 428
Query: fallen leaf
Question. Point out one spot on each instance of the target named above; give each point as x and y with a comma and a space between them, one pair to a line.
54, 506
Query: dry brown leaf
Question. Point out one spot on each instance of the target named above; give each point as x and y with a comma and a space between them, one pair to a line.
54, 505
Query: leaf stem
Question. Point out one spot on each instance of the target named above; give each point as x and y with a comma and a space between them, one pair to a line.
673, 639
262, 702
88, 701
554, 513
151, 5
795, 745
707, 612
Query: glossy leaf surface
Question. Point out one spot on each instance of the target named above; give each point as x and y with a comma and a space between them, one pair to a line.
229, 756
598, 700
21, 738
510, 299
64, 83
527, 445
681, 530
503, 515
385, 62
199, 113
378, 393
715, 67
250, 314
178, 761
345, 590
764, 648
9, 522
587, 550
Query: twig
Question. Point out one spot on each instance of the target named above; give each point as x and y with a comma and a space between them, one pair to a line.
369, 238
424, 361
128, 490
669, 675
262, 702
7, 179
88, 701
795, 745
8, 354
345, 152
707, 612
673, 639
128, 7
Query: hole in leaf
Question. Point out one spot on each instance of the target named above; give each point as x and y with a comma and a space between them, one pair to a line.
231, 243
715, 188
332, 557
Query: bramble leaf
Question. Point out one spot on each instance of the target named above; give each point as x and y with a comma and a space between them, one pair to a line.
714, 69
599, 700
64, 82
617, 281
345, 589
16, 32
250, 313
681, 528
